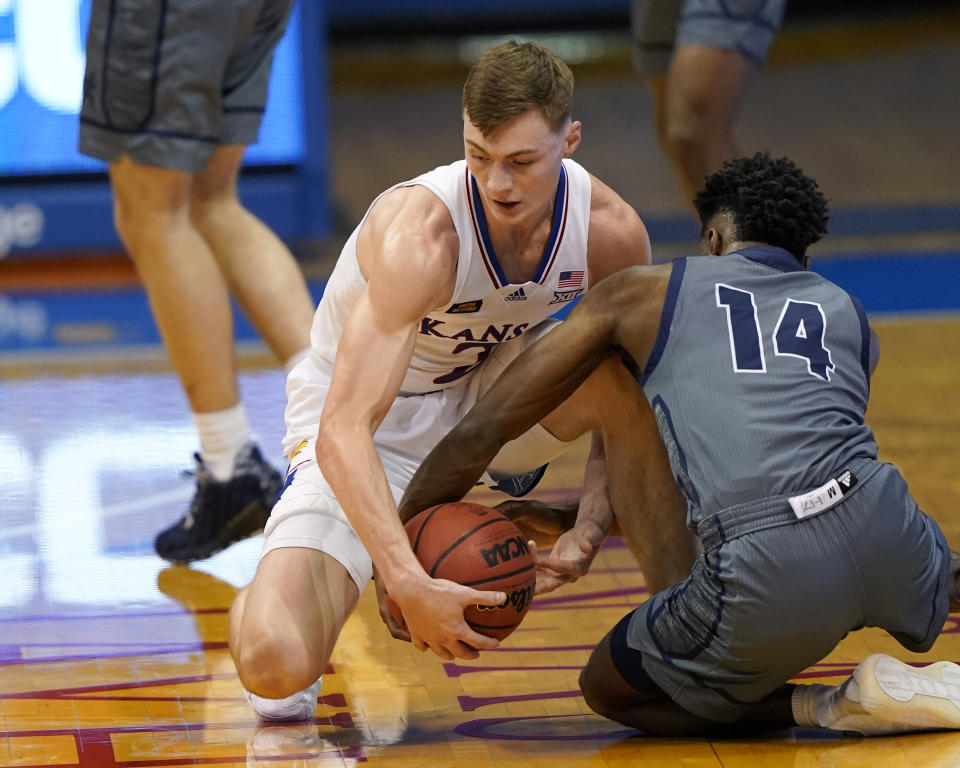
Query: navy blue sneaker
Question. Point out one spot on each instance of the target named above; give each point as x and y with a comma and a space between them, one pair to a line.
222, 513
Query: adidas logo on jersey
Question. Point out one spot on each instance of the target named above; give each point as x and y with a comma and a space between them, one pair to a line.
517, 295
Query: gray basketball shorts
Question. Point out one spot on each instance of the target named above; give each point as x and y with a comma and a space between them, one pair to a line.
773, 594
746, 26
168, 82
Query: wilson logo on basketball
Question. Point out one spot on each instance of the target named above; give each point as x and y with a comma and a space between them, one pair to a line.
503, 551
519, 599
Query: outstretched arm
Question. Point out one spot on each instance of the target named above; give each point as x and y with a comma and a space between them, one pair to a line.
529, 389
622, 311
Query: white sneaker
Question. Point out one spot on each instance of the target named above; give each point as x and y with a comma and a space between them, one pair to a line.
297, 706
894, 697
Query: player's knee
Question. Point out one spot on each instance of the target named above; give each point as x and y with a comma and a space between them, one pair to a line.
693, 123
147, 200
595, 694
211, 205
128, 218
143, 221
684, 140
271, 664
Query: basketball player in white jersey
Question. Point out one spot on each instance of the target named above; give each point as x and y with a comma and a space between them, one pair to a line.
445, 280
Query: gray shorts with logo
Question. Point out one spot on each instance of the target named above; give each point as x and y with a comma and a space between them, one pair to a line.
746, 26
773, 594
168, 82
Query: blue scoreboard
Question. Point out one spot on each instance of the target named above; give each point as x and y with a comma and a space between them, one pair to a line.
53, 198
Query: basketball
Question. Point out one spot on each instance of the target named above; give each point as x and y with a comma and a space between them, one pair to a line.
478, 547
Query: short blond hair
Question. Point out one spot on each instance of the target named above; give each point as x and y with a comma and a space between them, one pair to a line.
512, 78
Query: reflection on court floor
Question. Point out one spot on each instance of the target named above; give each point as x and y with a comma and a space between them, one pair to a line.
109, 657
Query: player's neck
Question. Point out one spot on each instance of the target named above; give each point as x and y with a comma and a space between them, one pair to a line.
732, 246
519, 244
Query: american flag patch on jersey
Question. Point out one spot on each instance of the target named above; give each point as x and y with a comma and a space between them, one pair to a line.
570, 279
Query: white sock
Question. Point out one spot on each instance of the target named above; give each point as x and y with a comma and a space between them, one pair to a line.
822, 706
295, 358
296, 706
222, 434
803, 702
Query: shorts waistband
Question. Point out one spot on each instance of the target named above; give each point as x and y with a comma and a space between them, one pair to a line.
773, 511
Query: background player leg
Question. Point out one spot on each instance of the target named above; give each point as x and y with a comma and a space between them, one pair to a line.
182, 279
694, 108
259, 269
191, 307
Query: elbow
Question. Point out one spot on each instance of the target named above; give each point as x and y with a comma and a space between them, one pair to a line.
329, 445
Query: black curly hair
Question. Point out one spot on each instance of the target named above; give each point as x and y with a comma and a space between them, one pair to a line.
770, 199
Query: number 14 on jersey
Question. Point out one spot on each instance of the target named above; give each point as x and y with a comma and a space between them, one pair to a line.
798, 333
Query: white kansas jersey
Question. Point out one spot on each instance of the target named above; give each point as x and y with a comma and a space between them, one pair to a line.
485, 309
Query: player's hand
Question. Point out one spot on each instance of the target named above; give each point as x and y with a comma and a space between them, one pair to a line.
433, 611
540, 522
397, 630
570, 557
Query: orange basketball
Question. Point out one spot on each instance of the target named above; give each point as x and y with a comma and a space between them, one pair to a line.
478, 547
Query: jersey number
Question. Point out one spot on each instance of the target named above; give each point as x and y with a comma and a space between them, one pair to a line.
462, 370
799, 333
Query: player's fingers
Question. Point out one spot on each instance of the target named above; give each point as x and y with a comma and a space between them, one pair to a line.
418, 642
476, 597
442, 652
477, 642
511, 508
399, 632
396, 629
463, 651
545, 583
558, 565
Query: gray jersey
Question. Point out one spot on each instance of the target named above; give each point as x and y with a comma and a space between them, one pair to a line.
759, 378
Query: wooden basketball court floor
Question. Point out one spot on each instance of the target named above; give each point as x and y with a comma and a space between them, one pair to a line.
108, 657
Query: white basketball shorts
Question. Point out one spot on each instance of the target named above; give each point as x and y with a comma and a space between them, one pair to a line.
307, 514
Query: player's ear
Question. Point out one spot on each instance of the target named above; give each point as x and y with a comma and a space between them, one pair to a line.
572, 138
714, 242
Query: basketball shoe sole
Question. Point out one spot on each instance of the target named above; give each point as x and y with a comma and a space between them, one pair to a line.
899, 697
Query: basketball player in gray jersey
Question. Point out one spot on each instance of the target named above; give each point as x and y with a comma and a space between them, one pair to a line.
758, 374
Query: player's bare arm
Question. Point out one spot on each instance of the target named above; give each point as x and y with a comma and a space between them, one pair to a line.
617, 239
574, 550
557, 364
408, 253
